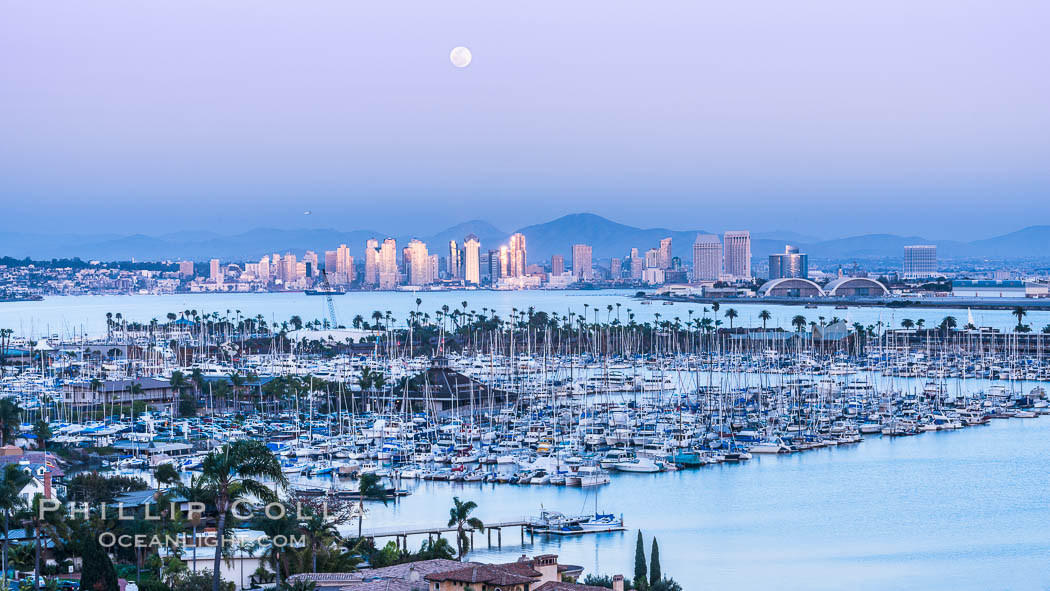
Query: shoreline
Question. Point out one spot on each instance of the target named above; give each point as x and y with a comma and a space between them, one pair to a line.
888, 303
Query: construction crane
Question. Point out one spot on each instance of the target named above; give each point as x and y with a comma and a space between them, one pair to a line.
328, 297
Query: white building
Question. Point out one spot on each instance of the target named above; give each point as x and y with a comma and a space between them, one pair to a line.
736, 255
707, 258
920, 261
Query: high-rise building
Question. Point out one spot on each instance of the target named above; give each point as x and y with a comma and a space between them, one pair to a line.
637, 265
433, 267
417, 262
736, 255
652, 259
582, 268
454, 270
790, 263
264, 269
615, 268
289, 268
516, 261
386, 264
330, 263
665, 253
494, 264
557, 264
215, 271
920, 261
344, 265
707, 258
372, 262
186, 269
472, 260
310, 258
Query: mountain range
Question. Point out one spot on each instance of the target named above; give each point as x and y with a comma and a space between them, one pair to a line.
608, 239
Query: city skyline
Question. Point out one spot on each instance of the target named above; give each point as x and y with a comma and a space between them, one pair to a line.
711, 122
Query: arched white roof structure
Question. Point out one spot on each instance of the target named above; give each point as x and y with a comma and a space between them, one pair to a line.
856, 286
790, 287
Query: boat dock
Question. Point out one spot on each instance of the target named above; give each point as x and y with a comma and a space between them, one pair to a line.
401, 535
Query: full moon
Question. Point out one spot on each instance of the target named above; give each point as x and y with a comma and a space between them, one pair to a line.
460, 57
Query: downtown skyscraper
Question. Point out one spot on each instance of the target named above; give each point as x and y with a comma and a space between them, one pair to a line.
472, 260
582, 267
736, 255
372, 262
515, 257
707, 258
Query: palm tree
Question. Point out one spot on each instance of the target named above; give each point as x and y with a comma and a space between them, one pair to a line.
907, 323
368, 487
194, 491
459, 516
44, 521
731, 314
764, 315
319, 534
13, 483
799, 322
1020, 312
230, 474
10, 419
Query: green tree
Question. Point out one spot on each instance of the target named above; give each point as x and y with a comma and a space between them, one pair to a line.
907, 324
44, 522
654, 564
666, 584
459, 516
639, 563
764, 316
368, 487
166, 474
232, 473
1020, 313
799, 322
10, 501
98, 573
10, 419
42, 432
731, 314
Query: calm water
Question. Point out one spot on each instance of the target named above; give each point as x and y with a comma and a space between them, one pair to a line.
950, 510
68, 315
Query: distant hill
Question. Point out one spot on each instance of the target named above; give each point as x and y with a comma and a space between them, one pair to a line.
607, 238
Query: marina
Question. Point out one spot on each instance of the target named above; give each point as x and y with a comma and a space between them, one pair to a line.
561, 432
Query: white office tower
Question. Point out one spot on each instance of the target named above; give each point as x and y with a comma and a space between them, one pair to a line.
472, 260
736, 249
707, 258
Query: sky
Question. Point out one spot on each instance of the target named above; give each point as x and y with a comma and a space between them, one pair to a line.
824, 117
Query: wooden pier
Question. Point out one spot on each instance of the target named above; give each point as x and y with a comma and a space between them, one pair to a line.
401, 535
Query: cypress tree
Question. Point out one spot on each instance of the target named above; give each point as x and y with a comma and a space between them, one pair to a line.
98, 573
639, 562
654, 564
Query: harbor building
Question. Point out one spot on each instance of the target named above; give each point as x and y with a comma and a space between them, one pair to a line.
855, 287
790, 287
998, 289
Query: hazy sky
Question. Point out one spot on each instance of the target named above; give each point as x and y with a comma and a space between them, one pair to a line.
830, 117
